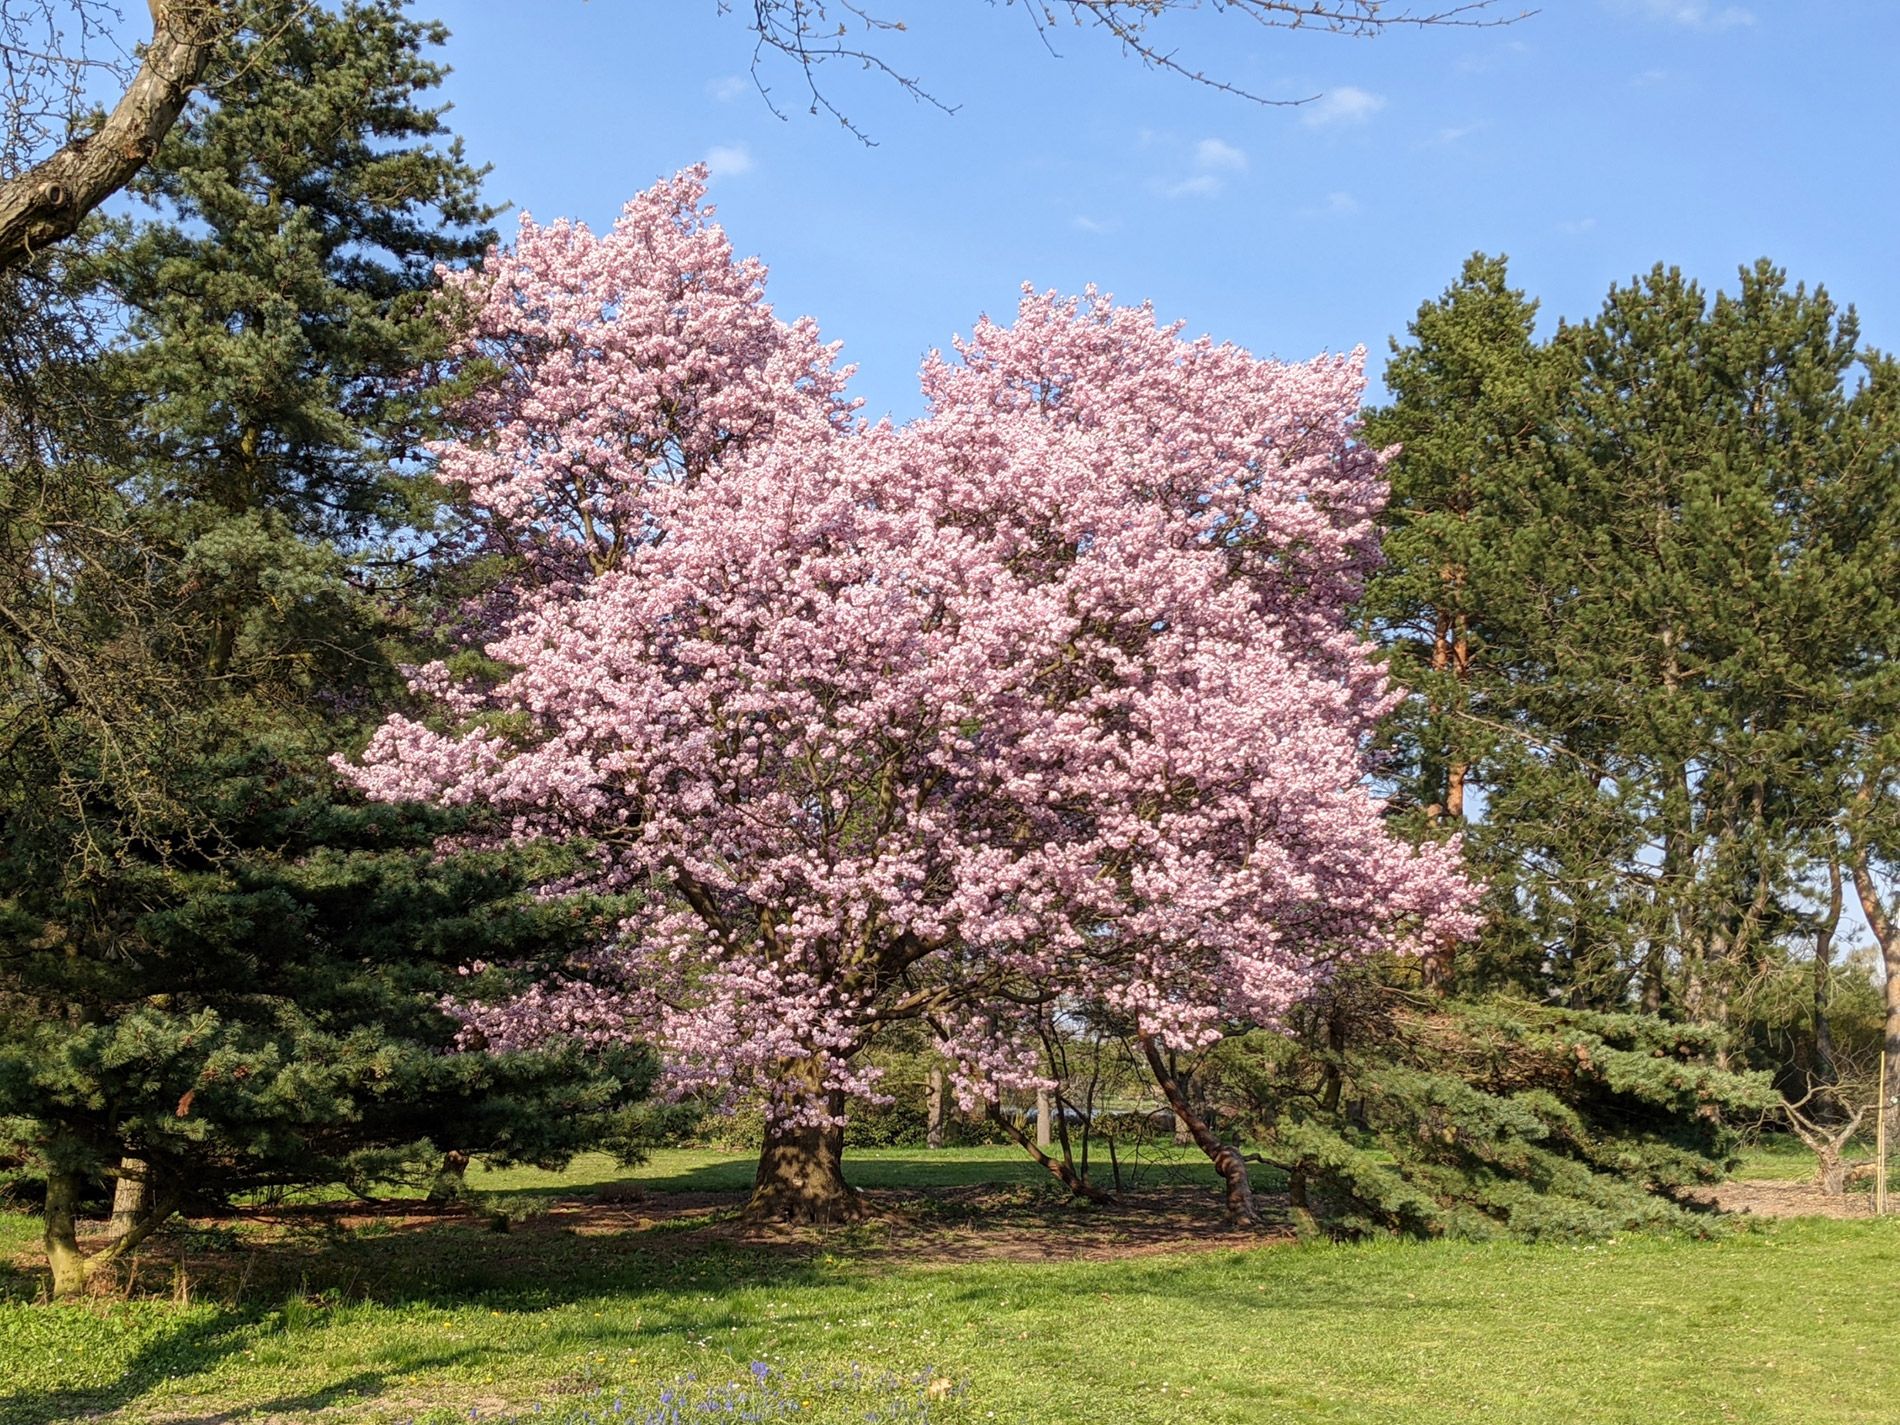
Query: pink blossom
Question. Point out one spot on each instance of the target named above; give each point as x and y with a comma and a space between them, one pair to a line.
1047, 699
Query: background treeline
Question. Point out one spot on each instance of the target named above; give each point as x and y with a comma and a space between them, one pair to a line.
1641, 582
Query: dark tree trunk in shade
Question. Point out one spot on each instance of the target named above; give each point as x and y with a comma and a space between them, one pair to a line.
801, 1166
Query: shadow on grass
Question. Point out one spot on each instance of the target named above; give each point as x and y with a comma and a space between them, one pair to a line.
453, 1267
199, 1348
875, 1169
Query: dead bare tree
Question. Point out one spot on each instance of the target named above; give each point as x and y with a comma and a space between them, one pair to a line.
1826, 1126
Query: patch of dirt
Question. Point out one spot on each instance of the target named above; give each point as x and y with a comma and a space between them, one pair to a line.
947, 1225
1796, 1199
938, 1226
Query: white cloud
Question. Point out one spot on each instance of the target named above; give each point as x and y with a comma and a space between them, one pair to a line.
727, 87
1576, 227
1649, 78
1212, 160
1201, 185
1696, 14
1094, 225
1344, 105
728, 160
1337, 205
1216, 156
1497, 57
1456, 133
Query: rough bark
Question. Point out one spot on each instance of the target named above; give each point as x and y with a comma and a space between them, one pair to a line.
1226, 1158
48, 201
131, 1197
801, 1168
935, 1108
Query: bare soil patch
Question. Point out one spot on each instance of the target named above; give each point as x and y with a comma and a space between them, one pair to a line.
1790, 1199
951, 1225
263, 1248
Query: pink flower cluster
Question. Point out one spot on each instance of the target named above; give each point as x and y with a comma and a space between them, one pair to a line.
1048, 699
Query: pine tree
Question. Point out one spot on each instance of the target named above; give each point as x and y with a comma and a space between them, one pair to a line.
217, 970
1395, 1113
1662, 620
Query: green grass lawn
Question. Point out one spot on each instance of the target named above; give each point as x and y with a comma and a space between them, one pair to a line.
719, 1170
1783, 1323
1781, 1158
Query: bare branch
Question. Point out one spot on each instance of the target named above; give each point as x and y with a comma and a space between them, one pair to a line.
813, 33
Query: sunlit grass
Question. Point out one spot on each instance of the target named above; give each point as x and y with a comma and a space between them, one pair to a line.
1783, 1323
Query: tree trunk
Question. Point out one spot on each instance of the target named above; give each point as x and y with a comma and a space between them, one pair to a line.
131, 1197
68, 1263
1824, 973
801, 1167
1887, 937
1043, 1114
935, 1108
1224, 1156
51, 199
1830, 1171
1451, 650
1063, 1172
450, 1179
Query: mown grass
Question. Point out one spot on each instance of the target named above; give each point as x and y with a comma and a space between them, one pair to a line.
1778, 1324
721, 1170
1782, 1158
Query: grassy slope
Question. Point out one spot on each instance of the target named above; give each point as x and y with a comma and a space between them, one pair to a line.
1767, 1326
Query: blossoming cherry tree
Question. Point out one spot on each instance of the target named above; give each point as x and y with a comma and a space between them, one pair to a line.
1047, 699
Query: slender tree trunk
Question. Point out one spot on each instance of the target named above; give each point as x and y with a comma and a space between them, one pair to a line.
1061, 1171
1824, 973
1652, 1000
1887, 937
131, 1197
1225, 1157
1043, 1114
68, 1263
935, 1108
1457, 768
1451, 652
801, 1167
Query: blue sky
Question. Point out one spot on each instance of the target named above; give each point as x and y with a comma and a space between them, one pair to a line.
1588, 141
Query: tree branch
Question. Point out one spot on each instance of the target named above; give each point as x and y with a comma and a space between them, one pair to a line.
48, 201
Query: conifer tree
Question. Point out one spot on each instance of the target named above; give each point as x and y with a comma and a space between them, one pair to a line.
216, 972
1679, 586
1394, 1113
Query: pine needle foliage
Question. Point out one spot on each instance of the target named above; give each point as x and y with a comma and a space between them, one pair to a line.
1396, 1113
